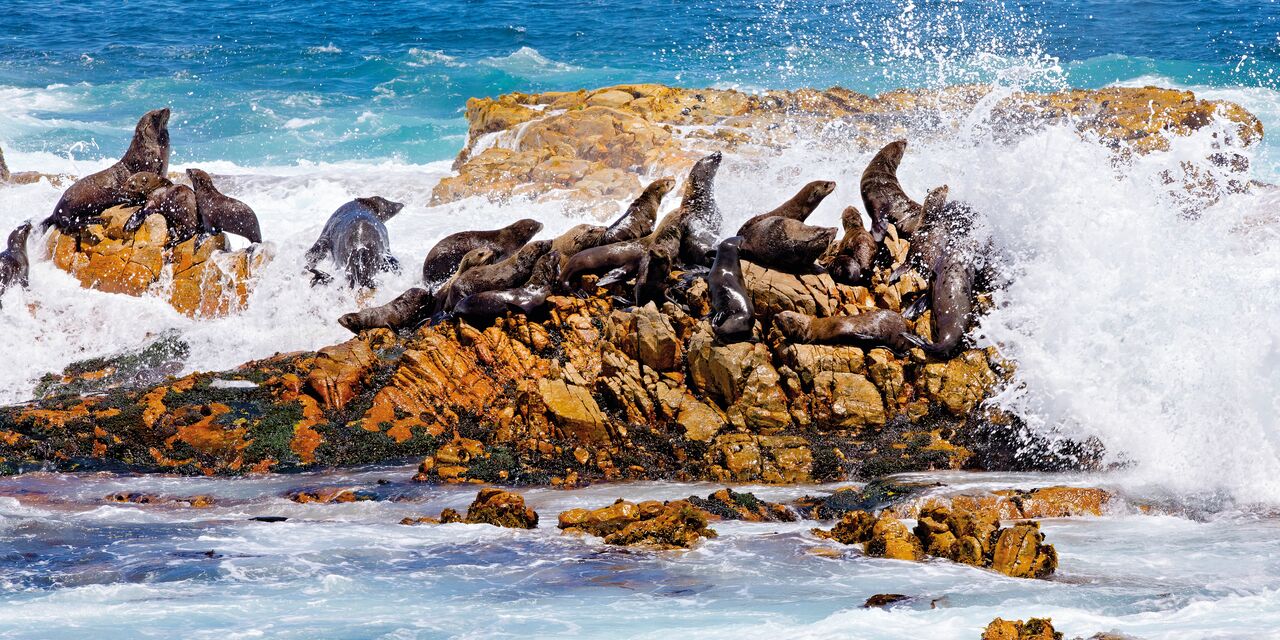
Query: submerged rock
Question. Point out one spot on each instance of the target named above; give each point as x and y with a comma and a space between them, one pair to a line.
1033, 629
672, 525
501, 509
331, 495
128, 497
727, 504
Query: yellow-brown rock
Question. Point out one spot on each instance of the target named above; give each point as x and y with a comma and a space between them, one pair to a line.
1020, 552
1033, 629
501, 509
854, 527
892, 539
672, 525
331, 495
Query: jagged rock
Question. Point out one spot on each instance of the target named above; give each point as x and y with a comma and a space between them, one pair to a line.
727, 504
892, 539
975, 538
446, 516
207, 280
885, 600
854, 527
1012, 504
1033, 629
158, 359
195, 502
501, 509
331, 495
1020, 552
673, 525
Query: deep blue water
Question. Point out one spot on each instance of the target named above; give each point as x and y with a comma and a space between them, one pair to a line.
263, 83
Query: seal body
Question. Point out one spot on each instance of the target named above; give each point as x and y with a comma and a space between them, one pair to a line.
506, 274
878, 328
651, 275
526, 300
801, 205
883, 197
856, 252
785, 244
176, 203
732, 314
219, 213
89, 196
443, 258
578, 238
15, 268
639, 218
621, 260
356, 239
700, 218
408, 310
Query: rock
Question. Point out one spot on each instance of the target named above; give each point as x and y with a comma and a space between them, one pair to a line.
162, 356
572, 408
501, 509
331, 495
885, 600
727, 504
446, 516
892, 539
1012, 504
874, 496
195, 502
672, 525
1020, 552
1033, 629
854, 527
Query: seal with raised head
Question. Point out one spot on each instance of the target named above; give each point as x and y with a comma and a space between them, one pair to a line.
89, 196
14, 266
638, 220
443, 258
408, 310
700, 218
801, 205
620, 261
221, 213
883, 197
785, 244
141, 184
856, 252
876, 328
176, 203
941, 221
526, 299
356, 239
506, 274
732, 314
950, 299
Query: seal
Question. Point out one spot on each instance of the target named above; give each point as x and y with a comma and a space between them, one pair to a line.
878, 328
951, 307
801, 205
620, 261
506, 274
357, 241
637, 221
732, 314
578, 238
141, 184
408, 310
651, 276
219, 213
14, 266
526, 300
176, 203
443, 258
785, 244
89, 196
856, 252
941, 221
700, 219
883, 197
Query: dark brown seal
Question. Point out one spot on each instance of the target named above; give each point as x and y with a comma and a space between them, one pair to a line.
801, 205
883, 197
856, 253
700, 219
732, 313
527, 299
408, 310
506, 274
620, 261
877, 328
141, 184
443, 258
785, 244
176, 203
651, 276
356, 239
639, 218
950, 301
85, 200
14, 266
578, 238
220, 213
940, 222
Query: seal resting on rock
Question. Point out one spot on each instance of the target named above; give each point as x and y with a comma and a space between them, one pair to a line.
527, 299
801, 205
637, 221
357, 241
221, 213
407, 311
14, 266
443, 258
732, 314
699, 217
874, 328
85, 200
883, 197
506, 274
856, 252
176, 203
785, 244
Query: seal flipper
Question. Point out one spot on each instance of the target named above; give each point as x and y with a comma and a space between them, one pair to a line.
620, 274
319, 277
316, 252
917, 307
390, 263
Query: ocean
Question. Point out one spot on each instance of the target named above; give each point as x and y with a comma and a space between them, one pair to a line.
1155, 332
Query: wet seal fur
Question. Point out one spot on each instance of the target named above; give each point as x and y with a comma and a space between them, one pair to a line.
221, 213
89, 196
856, 253
801, 205
785, 244
408, 310
444, 257
356, 238
732, 313
506, 274
700, 217
176, 203
877, 328
883, 197
526, 300
636, 222
15, 268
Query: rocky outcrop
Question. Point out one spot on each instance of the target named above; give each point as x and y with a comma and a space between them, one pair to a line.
1033, 629
588, 146
1013, 504
199, 277
446, 516
672, 525
727, 504
501, 509
128, 497
331, 495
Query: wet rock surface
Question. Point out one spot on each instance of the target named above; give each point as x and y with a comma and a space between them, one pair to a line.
677, 524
